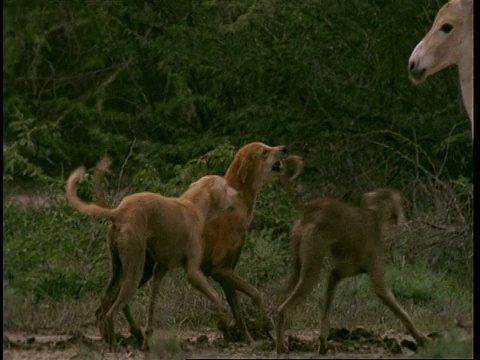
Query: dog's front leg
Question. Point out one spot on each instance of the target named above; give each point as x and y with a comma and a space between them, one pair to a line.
231, 295
227, 278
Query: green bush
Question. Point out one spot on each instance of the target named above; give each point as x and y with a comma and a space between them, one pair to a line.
176, 79
416, 284
419, 284
54, 251
265, 257
453, 346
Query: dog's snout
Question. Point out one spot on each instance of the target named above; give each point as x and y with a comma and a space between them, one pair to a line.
284, 149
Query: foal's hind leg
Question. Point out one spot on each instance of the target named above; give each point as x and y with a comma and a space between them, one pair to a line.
295, 276
376, 275
309, 276
333, 280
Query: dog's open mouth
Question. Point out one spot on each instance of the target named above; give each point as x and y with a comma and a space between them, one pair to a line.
277, 167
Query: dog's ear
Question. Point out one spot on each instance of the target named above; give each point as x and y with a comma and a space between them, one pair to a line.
245, 166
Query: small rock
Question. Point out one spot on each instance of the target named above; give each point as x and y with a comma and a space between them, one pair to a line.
434, 335
465, 325
409, 344
220, 343
361, 332
187, 346
296, 344
339, 334
264, 345
365, 348
392, 345
202, 340
60, 345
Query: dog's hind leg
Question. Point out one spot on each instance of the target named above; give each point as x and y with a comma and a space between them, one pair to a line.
135, 330
110, 292
147, 274
158, 274
132, 259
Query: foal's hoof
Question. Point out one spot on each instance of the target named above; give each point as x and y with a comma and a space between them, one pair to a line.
138, 335
282, 348
322, 349
113, 348
423, 340
248, 339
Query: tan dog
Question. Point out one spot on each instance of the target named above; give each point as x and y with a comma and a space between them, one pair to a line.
353, 237
168, 228
225, 236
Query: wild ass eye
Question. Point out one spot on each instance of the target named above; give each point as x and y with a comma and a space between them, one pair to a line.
446, 28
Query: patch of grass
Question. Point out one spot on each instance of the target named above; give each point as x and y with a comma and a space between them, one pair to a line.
54, 252
453, 346
417, 283
55, 264
25, 313
164, 345
264, 258
432, 308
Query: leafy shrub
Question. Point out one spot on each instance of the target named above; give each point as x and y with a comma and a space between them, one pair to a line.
265, 257
422, 286
54, 251
453, 346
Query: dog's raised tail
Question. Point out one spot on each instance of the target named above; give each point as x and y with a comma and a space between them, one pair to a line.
80, 205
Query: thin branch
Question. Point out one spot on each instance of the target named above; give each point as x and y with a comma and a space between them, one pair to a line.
444, 228
125, 163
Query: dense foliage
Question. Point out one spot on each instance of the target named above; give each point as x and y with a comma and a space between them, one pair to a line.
171, 80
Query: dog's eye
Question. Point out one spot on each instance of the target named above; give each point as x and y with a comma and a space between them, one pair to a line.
446, 28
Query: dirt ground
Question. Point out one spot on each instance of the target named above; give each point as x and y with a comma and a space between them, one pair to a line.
208, 344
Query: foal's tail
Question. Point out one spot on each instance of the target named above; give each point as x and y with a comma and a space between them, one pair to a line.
286, 182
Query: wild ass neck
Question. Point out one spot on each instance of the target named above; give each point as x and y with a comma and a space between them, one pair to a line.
465, 72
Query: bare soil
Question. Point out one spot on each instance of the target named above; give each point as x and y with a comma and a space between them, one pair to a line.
208, 344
